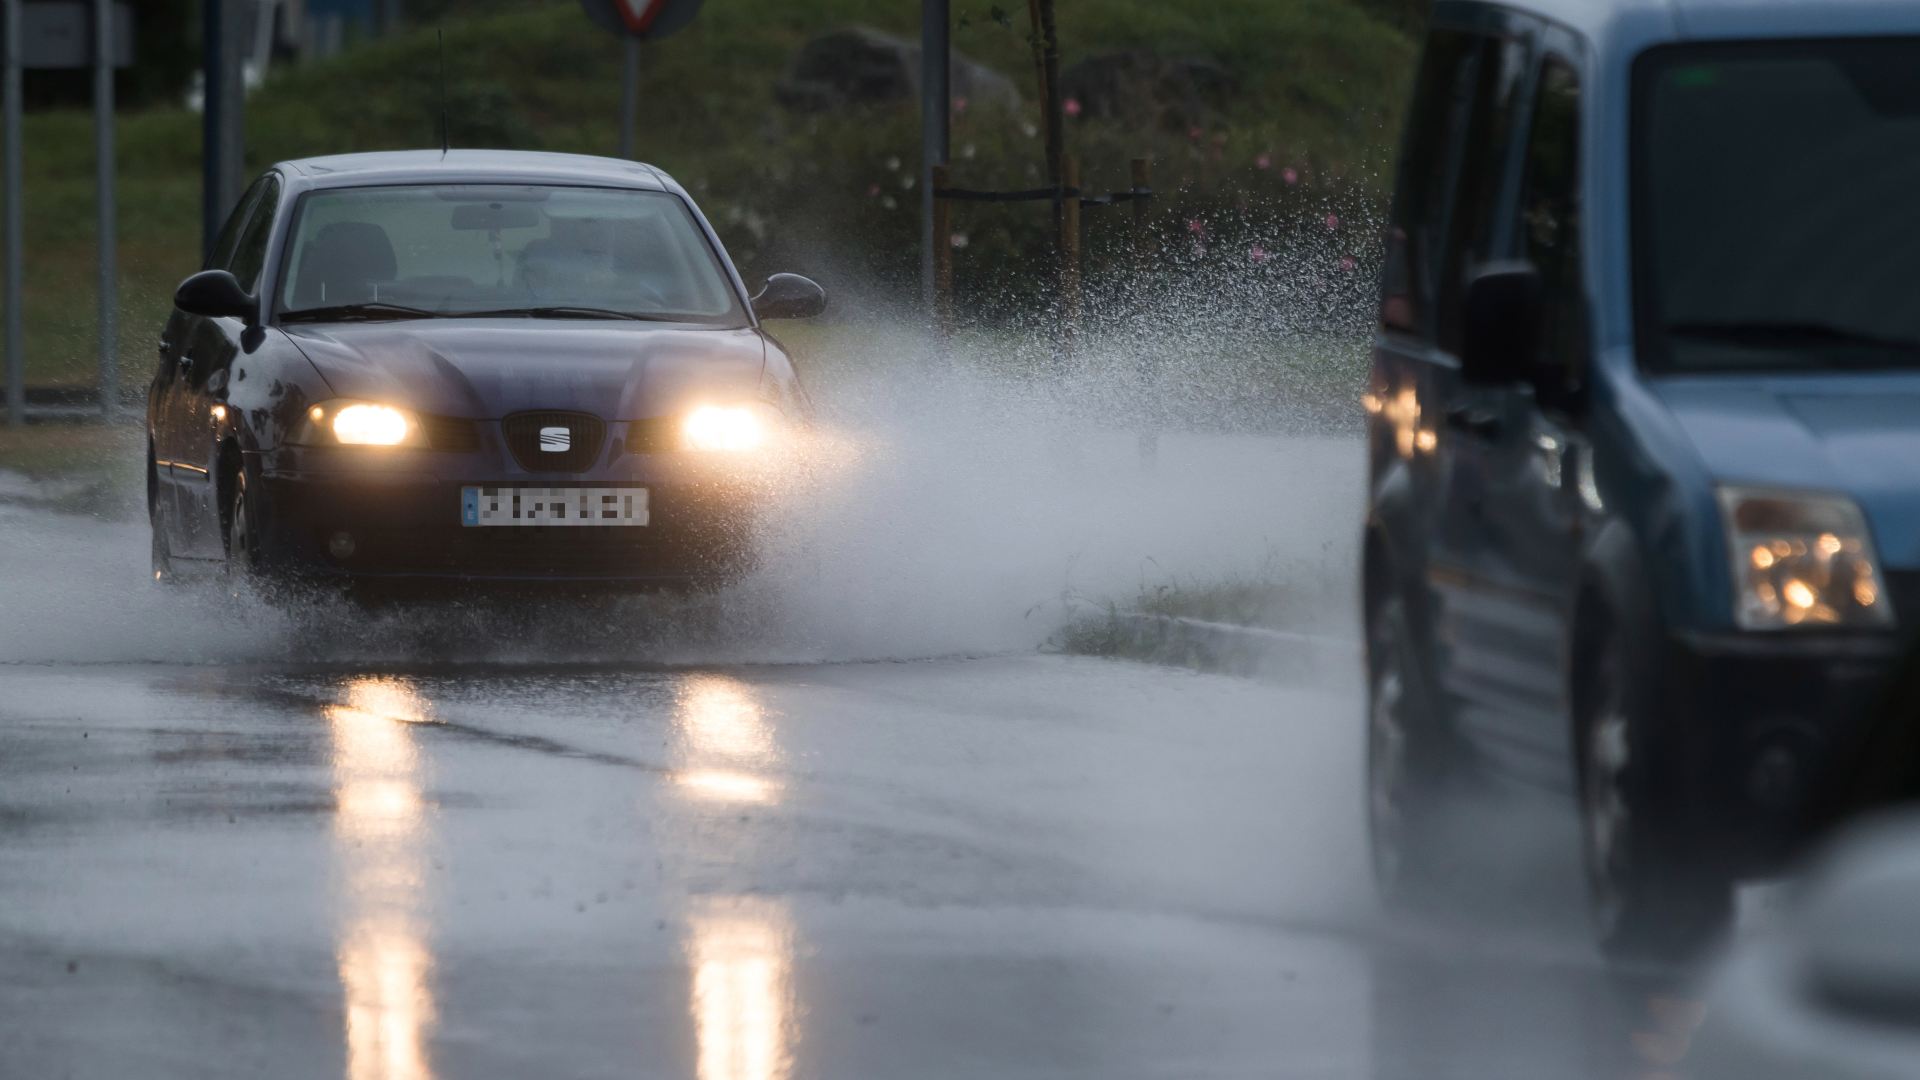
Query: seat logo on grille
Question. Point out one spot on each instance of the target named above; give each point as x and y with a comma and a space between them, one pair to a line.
555, 440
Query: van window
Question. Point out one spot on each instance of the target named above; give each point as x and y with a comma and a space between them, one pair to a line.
1479, 191
1549, 225
1414, 238
1775, 224
1451, 169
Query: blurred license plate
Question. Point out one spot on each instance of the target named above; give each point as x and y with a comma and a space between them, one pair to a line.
553, 506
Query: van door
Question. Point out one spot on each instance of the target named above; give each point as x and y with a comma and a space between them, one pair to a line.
1459, 135
1509, 570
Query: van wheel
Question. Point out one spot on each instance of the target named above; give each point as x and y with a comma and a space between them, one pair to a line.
1649, 900
1404, 769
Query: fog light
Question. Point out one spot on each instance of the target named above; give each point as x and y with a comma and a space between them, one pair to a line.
341, 545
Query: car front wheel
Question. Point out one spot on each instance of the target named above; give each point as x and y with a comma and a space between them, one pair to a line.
243, 554
1649, 900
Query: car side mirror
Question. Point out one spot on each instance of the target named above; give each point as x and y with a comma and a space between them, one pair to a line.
1500, 340
789, 296
215, 294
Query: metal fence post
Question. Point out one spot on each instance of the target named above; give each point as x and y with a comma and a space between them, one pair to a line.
942, 250
10, 91
936, 112
1146, 368
629, 94
1069, 253
104, 165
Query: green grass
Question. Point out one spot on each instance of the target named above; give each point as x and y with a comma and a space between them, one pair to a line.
1321, 85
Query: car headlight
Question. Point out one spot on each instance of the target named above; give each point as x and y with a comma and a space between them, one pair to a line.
732, 428
359, 423
1801, 559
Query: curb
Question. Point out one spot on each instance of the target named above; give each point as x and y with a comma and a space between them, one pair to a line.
1229, 648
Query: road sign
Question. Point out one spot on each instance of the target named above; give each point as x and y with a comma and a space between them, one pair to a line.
60, 34
637, 21
648, 20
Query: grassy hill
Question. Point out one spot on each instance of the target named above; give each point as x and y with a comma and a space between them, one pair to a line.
1320, 85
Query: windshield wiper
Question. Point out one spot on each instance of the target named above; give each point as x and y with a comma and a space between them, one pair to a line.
564, 311
1760, 334
367, 312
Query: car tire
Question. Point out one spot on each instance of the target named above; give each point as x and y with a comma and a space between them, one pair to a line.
1407, 774
243, 550
163, 572
1651, 899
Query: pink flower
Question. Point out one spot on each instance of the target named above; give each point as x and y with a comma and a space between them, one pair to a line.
1333, 221
1290, 175
1264, 161
1194, 133
1197, 227
1347, 262
873, 190
960, 104
1071, 106
1257, 254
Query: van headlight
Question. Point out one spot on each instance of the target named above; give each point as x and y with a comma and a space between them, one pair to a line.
1801, 559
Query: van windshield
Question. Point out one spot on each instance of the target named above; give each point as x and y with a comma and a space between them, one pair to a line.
509, 250
1777, 224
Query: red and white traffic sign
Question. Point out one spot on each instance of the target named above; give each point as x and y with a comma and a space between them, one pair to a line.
648, 19
639, 14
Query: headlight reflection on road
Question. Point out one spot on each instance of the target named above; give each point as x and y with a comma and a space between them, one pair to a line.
740, 949
725, 737
741, 953
380, 835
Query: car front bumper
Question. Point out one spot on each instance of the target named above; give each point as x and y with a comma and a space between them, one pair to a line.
1769, 728
349, 514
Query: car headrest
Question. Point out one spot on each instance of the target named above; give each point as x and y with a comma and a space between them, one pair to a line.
342, 262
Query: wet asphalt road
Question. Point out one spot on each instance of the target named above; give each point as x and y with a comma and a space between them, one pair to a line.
1021, 866
239, 844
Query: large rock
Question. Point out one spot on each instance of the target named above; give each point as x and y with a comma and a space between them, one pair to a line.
858, 65
1143, 88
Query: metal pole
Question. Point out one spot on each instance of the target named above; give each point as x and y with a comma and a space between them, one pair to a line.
10, 92
936, 112
1070, 255
1142, 180
213, 61
942, 255
104, 166
629, 96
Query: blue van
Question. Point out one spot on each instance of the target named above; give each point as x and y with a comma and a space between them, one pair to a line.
1644, 509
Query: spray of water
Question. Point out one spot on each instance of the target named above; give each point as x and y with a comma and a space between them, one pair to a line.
958, 498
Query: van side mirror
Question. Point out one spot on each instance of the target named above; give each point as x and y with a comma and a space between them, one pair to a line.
1500, 340
789, 296
215, 294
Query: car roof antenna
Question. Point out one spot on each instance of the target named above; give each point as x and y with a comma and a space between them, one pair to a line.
441, 37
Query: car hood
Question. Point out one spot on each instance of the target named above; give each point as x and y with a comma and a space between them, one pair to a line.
487, 368
1854, 434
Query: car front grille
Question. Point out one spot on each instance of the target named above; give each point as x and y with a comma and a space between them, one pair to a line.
451, 433
652, 436
554, 441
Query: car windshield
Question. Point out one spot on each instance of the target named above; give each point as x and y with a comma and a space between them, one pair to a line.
1777, 227
421, 251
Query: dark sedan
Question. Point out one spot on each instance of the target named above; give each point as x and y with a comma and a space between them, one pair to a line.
473, 366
